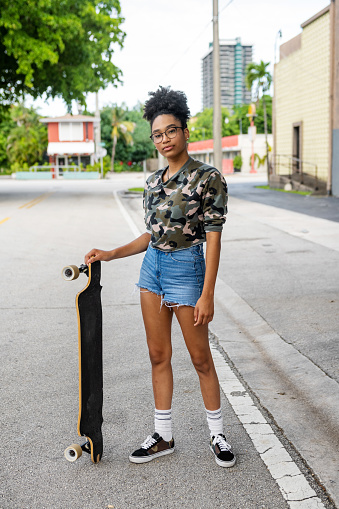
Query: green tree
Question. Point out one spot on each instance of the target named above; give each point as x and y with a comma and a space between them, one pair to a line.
6, 125
229, 123
201, 126
258, 75
60, 48
265, 103
106, 128
142, 147
121, 129
241, 111
27, 140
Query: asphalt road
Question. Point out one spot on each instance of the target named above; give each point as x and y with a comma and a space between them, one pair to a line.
46, 225
317, 206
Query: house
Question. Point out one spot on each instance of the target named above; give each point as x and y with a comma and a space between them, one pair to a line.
236, 145
71, 140
306, 106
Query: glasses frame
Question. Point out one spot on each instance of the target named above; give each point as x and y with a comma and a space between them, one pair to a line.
176, 127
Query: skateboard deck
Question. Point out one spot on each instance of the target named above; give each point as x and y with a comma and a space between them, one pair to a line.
89, 313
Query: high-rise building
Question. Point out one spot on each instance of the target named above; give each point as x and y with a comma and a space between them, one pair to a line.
234, 58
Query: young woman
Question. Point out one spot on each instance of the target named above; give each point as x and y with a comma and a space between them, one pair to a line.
185, 205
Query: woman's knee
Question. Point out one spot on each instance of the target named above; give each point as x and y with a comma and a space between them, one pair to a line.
202, 363
160, 356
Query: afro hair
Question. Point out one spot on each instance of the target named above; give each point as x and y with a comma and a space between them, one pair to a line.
167, 102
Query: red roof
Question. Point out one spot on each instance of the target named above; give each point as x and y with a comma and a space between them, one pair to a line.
226, 141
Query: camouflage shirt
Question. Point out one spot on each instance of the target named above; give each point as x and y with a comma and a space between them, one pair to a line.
179, 211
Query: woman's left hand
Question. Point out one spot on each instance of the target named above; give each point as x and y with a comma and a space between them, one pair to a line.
203, 311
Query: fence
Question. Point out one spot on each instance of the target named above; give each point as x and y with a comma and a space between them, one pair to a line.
296, 169
55, 171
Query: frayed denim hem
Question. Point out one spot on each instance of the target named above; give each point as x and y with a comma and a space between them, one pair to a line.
163, 301
171, 305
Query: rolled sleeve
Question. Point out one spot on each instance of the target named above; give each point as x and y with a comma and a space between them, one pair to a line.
144, 199
214, 204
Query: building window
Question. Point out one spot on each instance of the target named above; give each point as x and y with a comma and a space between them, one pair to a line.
85, 160
73, 160
71, 131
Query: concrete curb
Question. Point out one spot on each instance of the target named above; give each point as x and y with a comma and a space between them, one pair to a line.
302, 398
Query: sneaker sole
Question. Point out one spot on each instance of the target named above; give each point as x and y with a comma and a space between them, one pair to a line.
146, 459
225, 464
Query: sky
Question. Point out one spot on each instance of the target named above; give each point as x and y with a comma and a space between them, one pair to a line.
166, 41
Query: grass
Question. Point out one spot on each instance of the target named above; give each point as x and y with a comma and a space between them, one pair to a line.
136, 189
303, 193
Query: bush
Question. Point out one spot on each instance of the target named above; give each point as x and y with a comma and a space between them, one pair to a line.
120, 166
106, 166
237, 163
5, 171
19, 167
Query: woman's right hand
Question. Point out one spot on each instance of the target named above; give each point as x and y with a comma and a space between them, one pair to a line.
96, 255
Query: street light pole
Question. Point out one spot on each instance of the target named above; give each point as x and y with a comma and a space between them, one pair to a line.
217, 150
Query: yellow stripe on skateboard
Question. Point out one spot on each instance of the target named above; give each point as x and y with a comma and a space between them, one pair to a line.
4, 220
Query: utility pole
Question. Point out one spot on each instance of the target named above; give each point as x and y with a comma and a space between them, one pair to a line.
252, 132
217, 150
98, 134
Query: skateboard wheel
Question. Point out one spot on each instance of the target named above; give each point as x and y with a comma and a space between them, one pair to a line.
73, 452
70, 272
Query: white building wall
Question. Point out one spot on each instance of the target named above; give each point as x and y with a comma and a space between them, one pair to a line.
259, 148
244, 147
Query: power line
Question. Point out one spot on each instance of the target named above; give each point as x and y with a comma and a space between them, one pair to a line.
193, 43
229, 3
187, 50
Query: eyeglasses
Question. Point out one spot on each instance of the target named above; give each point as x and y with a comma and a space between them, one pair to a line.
170, 132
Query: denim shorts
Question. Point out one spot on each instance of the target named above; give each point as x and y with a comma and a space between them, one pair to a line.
178, 276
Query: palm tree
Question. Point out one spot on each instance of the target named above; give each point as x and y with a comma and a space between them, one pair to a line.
259, 75
121, 129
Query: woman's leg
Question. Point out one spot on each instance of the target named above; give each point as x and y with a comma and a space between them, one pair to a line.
196, 339
158, 333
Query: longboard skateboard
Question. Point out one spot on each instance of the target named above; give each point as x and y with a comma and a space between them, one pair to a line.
89, 312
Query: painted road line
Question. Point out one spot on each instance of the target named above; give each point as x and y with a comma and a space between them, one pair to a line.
35, 201
38, 201
127, 216
292, 483
4, 220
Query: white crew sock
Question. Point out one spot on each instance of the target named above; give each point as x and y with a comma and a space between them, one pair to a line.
214, 421
163, 423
